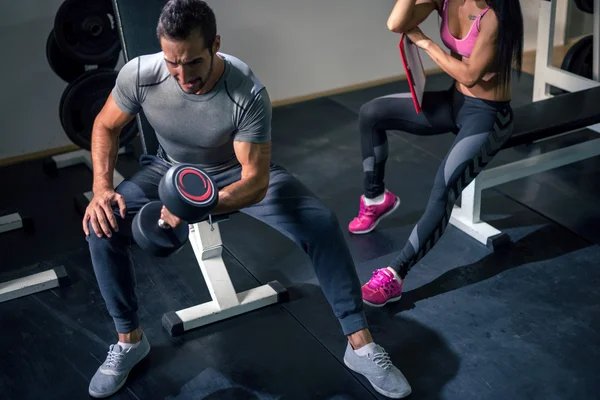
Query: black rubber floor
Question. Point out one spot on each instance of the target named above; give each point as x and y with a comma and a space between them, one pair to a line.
522, 323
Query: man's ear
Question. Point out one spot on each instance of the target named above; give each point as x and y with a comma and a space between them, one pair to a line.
217, 44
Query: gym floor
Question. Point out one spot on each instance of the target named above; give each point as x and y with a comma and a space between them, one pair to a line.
522, 323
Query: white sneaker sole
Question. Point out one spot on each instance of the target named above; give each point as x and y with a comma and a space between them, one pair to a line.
396, 205
392, 300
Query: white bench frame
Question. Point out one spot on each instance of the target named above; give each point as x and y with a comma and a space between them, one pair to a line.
205, 238
33, 283
11, 222
467, 216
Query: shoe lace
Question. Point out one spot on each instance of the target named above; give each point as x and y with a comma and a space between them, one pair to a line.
366, 211
381, 279
382, 360
114, 357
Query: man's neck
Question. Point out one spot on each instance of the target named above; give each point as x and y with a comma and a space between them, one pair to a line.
218, 69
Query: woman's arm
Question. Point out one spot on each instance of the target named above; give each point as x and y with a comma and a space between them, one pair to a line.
408, 14
481, 58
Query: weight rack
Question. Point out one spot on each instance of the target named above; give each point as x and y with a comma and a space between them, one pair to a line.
546, 75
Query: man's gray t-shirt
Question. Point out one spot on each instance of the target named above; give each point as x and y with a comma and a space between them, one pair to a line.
192, 128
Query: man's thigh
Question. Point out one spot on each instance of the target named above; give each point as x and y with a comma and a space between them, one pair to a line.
293, 209
142, 187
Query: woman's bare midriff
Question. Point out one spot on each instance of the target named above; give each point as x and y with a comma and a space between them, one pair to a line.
486, 87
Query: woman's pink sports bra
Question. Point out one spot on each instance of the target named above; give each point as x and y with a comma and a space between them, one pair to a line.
464, 46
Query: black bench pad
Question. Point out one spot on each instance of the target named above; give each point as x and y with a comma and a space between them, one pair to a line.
554, 116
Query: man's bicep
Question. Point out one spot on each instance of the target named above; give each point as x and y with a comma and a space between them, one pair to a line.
112, 116
255, 158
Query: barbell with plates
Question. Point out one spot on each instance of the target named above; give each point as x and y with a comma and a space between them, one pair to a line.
67, 68
86, 31
188, 193
578, 60
81, 102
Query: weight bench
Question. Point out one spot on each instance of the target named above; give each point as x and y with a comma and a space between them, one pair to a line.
533, 122
205, 238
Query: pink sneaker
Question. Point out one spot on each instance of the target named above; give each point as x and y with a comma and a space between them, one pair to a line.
382, 288
369, 216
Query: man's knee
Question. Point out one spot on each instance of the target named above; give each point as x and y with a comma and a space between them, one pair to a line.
324, 221
118, 237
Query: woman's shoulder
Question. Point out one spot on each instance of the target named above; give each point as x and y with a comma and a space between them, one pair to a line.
488, 20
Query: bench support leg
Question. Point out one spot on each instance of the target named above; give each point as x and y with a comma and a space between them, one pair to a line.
467, 217
33, 284
10, 222
205, 239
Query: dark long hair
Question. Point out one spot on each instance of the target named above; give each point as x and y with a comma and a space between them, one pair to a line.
509, 45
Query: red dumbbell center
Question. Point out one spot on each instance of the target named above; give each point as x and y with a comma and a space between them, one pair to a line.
194, 186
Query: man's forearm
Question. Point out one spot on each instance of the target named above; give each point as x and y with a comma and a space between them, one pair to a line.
241, 194
105, 146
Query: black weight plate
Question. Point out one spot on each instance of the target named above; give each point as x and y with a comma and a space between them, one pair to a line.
579, 58
81, 102
586, 6
110, 63
154, 239
86, 31
66, 69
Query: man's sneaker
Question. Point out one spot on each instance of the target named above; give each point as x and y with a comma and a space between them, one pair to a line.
373, 362
383, 287
370, 215
113, 373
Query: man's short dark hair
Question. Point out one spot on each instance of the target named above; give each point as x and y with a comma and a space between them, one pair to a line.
179, 19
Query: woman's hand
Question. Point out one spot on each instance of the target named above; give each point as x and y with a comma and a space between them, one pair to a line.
417, 36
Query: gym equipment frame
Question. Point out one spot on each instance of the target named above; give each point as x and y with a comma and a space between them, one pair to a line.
205, 238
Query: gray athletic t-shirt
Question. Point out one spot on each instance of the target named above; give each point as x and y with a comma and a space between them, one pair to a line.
192, 128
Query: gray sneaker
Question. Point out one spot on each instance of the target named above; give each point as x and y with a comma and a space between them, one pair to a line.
377, 367
113, 373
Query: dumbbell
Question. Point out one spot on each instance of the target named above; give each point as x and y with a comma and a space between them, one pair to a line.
188, 193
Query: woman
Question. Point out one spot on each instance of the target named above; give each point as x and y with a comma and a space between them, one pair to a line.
485, 39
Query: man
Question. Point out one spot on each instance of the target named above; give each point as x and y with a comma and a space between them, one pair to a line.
209, 109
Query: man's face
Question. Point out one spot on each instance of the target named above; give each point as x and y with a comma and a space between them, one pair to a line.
189, 62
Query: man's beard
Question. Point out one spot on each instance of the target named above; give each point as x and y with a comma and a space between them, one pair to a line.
203, 82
